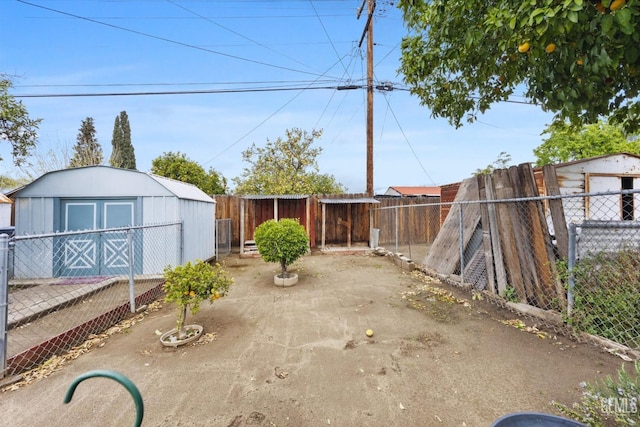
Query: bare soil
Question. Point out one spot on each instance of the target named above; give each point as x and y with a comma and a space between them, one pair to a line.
299, 356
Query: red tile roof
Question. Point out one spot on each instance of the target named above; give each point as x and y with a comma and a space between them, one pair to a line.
416, 191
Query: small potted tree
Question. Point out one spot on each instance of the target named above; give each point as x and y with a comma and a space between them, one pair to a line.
283, 242
188, 286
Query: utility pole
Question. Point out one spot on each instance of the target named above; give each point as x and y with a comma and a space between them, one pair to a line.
368, 31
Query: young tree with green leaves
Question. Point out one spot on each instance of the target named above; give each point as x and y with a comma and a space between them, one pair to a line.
122, 152
286, 166
9, 183
502, 162
16, 127
566, 143
179, 167
87, 151
577, 58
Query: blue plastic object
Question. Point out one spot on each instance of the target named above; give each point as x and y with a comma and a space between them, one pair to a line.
534, 419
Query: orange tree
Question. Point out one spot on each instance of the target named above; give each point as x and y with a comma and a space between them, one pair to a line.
190, 284
576, 58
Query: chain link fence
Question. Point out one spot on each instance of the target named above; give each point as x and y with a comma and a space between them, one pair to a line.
60, 288
223, 238
569, 262
407, 229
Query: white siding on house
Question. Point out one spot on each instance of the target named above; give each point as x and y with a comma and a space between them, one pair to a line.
5, 214
595, 175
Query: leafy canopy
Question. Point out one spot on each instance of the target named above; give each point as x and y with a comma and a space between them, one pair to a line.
282, 241
179, 167
502, 162
566, 143
190, 284
286, 166
16, 127
577, 58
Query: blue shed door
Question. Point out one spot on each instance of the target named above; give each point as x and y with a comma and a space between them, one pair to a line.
98, 254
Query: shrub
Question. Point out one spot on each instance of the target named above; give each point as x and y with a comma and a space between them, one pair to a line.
190, 284
609, 403
282, 242
606, 296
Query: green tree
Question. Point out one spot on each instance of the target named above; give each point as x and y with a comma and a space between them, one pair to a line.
566, 143
16, 127
282, 241
501, 162
579, 59
8, 183
177, 166
122, 152
87, 151
286, 166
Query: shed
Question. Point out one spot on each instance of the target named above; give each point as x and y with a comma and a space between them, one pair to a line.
357, 226
610, 172
262, 208
102, 198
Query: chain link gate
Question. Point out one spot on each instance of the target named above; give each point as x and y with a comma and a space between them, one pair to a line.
57, 289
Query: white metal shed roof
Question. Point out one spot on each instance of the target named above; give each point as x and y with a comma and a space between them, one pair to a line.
106, 181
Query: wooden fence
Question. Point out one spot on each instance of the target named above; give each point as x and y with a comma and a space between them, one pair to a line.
509, 241
407, 219
337, 215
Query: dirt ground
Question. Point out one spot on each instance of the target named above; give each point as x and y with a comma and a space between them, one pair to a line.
299, 356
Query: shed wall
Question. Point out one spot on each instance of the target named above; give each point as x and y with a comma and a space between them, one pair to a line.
34, 215
199, 230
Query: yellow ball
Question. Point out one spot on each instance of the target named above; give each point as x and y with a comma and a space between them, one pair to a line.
369, 333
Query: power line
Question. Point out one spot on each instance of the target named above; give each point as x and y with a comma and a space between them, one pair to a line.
178, 92
191, 46
235, 32
177, 84
327, 34
408, 142
383, 86
265, 120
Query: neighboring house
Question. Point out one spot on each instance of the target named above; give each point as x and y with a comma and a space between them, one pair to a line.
611, 172
412, 191
607, 173
5, 211
102, 197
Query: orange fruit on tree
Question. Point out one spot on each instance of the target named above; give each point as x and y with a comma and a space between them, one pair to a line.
579, 61
524, 47
600, 8
550, 48
617, 4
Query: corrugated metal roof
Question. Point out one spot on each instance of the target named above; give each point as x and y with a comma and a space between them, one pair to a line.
345, 201
181, 189
271, 197
587, 159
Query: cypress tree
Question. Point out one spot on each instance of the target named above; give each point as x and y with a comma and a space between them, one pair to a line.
122, 154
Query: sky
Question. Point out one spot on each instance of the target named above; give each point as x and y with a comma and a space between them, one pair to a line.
211, 78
